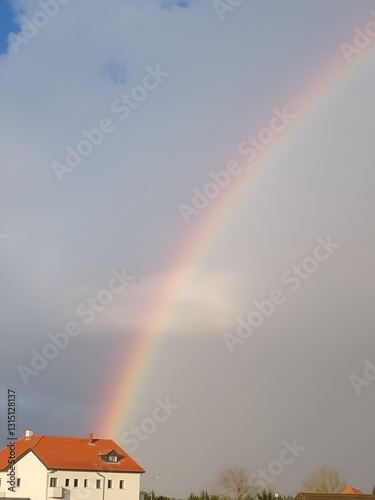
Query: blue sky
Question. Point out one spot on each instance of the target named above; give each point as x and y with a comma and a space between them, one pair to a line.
135, 108
6, 24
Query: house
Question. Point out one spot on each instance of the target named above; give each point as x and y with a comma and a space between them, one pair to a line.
352, 491
49, 467
334, 496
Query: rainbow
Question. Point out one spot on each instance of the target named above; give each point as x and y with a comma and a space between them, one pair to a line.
132, 368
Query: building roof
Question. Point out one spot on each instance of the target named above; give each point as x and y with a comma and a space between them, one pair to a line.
333, 496
65, 453
106, 452
352, 491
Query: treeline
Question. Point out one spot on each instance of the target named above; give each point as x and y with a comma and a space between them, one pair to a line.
204, 495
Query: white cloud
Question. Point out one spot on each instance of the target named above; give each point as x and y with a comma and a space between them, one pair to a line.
204, 303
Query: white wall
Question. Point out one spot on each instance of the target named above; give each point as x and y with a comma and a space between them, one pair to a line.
131, 491
33, 477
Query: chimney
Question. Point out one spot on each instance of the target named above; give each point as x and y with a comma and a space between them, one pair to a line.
29, 434
90, 438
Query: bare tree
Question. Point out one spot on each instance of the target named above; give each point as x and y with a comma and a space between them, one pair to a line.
325, 481
233, 484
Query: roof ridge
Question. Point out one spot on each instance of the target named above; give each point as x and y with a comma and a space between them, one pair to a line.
40, 438
71, 437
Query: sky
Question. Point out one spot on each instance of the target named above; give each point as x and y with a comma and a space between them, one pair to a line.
187, 216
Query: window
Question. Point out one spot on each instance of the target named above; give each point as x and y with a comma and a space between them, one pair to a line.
86, 483
67, 482
53, 482
18, 482
122, 485
112, 456
110, 482
98, 483
76, 483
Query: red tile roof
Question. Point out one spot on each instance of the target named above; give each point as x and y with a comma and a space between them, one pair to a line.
71, 454
333, 496
107, 452
353, 491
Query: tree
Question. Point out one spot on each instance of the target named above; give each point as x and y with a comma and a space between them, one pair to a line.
373, 490
144, 495
267, 495
233, 484
325, 481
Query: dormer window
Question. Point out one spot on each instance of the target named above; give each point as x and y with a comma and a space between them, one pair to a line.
109, 456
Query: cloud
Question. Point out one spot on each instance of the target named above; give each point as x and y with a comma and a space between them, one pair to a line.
206, 303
